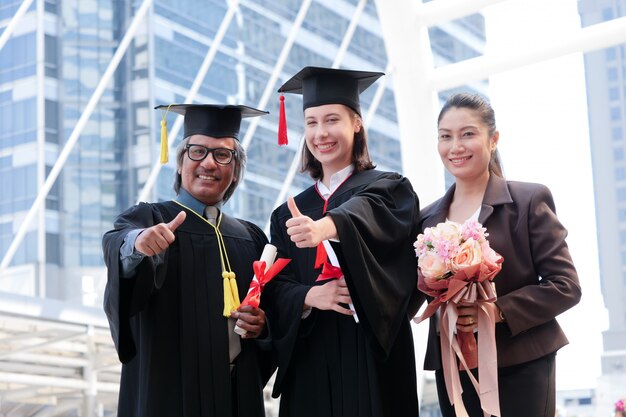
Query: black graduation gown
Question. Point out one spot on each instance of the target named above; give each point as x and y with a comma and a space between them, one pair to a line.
328, 364
167, 321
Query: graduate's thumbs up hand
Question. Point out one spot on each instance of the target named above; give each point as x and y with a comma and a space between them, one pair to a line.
293, 208
306, 232
178, 220
159, 237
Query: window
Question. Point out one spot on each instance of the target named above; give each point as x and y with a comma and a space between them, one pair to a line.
617, 133
621, 194
615, 113
611, 74
614, 93
618, 154
620, 173
610, 54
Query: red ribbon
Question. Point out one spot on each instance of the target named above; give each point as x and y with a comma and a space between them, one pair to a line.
329, 272
261, 277
320, 255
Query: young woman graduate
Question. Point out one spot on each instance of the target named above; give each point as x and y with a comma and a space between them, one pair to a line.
350, 238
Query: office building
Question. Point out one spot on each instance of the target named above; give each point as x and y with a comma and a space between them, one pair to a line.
55, 60
606, 98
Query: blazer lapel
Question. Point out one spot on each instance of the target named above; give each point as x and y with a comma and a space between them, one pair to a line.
497, 193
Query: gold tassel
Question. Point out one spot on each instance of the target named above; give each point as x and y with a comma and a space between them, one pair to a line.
233, 289
164, 145
228, 295
165, 148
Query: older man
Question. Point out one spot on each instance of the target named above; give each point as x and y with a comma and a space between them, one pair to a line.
174, 271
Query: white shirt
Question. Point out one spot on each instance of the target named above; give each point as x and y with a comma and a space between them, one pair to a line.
335, 181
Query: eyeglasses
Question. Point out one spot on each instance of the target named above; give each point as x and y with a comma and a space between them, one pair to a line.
222, 156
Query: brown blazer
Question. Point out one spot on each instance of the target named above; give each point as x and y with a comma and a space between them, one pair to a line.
538, 280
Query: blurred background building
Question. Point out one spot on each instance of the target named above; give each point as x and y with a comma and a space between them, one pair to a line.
78, 83
605, 71
53, 63
51, 67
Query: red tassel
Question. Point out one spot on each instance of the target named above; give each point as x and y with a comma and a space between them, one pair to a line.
282, 123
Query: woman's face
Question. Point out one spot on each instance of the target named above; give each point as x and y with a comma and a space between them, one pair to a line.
329, 131
464, 144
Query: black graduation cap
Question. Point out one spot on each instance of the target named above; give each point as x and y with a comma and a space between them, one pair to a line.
216, 120
320, 86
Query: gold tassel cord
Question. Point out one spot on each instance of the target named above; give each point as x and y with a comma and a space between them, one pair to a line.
165, 149
231, 293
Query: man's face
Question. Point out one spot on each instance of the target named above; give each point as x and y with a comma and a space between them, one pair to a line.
207, 180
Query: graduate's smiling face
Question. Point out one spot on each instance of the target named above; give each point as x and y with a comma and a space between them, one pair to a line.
464, 143
329, 131
207, 180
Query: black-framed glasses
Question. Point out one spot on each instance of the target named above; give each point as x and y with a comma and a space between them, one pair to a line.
222, 156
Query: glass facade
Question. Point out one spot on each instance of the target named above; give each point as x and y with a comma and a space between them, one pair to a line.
54, 61
118, 146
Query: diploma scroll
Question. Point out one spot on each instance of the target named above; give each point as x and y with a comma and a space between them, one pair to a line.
332, 257
268, 256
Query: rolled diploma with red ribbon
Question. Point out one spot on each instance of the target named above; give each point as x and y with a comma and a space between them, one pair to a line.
332, 257
268, 255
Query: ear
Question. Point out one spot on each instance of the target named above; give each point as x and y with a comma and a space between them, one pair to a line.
493, 143
358, 124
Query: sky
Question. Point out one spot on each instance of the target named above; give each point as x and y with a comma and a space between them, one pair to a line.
541, 113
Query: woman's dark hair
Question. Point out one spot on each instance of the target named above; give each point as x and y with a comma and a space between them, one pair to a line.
239, 160
360, 154
483, 108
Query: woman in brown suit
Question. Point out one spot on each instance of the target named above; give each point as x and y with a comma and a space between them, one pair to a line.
538, 280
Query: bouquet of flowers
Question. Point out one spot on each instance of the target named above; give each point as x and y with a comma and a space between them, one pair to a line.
457, 266
619, 408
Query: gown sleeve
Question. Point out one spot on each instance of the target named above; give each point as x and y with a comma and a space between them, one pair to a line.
125, 297
377, 227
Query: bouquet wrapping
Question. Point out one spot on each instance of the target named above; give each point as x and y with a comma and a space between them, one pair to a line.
264, 270
456, 266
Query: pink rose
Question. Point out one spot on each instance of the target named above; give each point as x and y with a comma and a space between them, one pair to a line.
431, 265
492, 263
469, 254
490, 256
448, 231
420, 245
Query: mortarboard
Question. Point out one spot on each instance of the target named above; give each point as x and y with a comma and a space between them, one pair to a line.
216, 120
320, 86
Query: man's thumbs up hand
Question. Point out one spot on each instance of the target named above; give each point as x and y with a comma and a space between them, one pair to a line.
157, 238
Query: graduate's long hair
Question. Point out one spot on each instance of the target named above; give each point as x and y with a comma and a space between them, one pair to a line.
240, 159
482, 107
360, 153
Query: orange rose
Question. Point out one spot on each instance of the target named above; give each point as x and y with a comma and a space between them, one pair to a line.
469, 254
